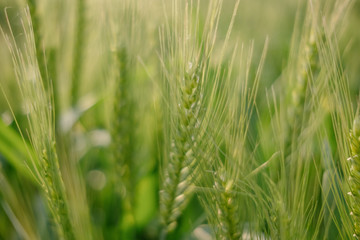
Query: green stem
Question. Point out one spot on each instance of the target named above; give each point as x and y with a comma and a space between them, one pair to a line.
78, 51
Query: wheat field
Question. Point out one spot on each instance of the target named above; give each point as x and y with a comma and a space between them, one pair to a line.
179, 119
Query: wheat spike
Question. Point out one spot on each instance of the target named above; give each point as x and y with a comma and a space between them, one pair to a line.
176, 189
227, 208
354, 178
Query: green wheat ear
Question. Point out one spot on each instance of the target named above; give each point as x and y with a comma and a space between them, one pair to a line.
185, 63
308, 66
307, 69
176, 188
354, 179
227, 207
122, 123
123, 135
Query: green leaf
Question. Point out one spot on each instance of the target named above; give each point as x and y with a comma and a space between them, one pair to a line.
14, 149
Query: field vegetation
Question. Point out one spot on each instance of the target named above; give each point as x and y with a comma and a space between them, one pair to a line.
179, 119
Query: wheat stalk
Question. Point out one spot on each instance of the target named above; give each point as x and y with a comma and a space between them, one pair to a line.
78, 49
